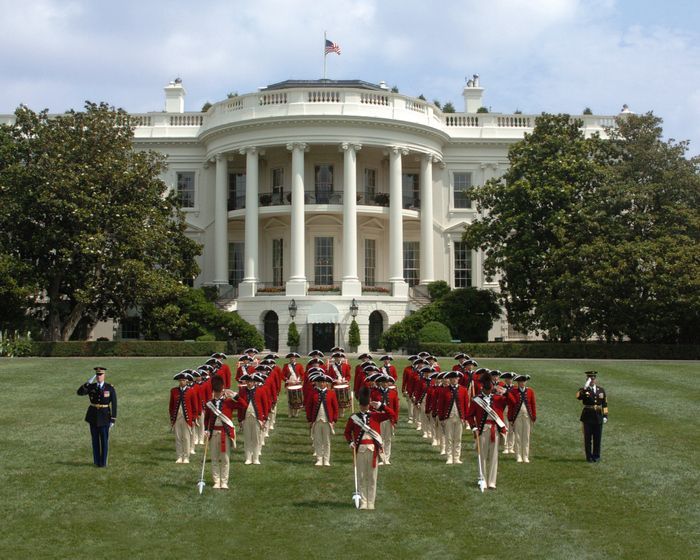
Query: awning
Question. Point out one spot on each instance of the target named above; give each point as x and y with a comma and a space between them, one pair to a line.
323, 312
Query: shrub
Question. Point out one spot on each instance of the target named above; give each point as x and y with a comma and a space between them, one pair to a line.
482, 110
404, 333
434, 331
354, 335
126, 348
438, 290
293, 338
470, 312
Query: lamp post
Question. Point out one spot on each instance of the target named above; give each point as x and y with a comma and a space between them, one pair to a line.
292, 309
354, 308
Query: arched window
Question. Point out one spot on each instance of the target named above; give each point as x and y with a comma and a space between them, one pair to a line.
271, 331
376, 328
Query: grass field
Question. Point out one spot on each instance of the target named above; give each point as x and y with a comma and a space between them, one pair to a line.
641, 501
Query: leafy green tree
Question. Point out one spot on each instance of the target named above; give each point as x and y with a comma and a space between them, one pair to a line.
91, 216
404, 333
470, 312
448, 107
596, 237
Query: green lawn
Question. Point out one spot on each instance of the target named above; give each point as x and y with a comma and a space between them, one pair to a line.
641, 501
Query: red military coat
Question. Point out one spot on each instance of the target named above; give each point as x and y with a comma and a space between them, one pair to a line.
517, 399
261, 403
390, 370
226, 406
406, 379
314, 404
353, 432
298, 370
359, 378
225, 374
460, 400
187, 400
478, 417
342, 371
390, 399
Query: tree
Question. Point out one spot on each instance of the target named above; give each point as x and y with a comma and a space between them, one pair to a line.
448, 107
438, 290
434, 331
470, 312
596, 237
90, 215
531, 227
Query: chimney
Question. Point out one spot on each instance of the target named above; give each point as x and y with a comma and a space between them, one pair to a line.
175, 97
473, 95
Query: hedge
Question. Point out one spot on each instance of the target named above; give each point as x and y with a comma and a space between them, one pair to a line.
126, 348
588, 350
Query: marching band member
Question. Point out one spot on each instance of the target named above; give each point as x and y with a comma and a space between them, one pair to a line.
388, 368
522, 414
294, 377
362, 433
360, 373
453, 411
405, 383
224, 371
509, 437
420, 393
225, 401
341, 373
485, 427
388, 397
322, 414
101, 414
593, 415
183, 407
198, 428
254, 417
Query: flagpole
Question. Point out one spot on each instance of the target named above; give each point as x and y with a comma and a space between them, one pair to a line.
324, 55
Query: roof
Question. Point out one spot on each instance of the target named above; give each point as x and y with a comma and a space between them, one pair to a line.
355, 84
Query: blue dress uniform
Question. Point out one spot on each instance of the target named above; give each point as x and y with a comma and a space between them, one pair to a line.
593, 416
101, 415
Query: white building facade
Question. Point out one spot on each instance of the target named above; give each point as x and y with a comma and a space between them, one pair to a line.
332, 197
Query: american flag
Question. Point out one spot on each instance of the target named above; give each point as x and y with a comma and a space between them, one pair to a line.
332, 47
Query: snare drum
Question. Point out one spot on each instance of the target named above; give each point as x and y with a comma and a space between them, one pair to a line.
342, 391
295, 396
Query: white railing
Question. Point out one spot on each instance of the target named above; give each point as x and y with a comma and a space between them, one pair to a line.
277, 98
461, 120
234, 104
323, 96
417, 106
374, 99
186, 120
514, 121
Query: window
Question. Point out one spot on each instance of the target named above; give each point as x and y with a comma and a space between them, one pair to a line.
277, 259
411, 190
411, 262
131, 327
323, 262
370, 189
236, 191
185, 189
278, 185
235, 263
463, 265
370, 262
462, 184
324, 183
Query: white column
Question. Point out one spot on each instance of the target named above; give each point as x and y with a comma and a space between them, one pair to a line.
221, 221
296, 285
399, 286
250, 255
427, 260
351, 283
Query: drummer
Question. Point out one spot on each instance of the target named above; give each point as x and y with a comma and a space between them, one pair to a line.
339, 370
293, 379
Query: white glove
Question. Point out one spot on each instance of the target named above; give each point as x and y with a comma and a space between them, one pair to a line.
111, 425
605, 420
475, 429
588, 382
92, 379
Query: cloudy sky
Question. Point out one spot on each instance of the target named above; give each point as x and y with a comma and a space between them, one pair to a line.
532, 55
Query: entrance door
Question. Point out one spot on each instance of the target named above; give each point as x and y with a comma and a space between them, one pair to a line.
376, 328
323, 336
271, 330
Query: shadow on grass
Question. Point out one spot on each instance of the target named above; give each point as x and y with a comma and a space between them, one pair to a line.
317, 504
78, 464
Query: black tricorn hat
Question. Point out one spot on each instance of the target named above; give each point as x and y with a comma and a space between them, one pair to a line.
293, 355
521, 378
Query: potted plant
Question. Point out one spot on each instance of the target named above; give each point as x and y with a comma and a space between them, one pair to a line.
293, 338
382, 199
265, 199
354, 336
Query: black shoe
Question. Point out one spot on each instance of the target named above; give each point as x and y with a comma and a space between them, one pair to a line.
590, 460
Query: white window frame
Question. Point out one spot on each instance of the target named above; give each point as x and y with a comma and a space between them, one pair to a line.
452, 206
195, 180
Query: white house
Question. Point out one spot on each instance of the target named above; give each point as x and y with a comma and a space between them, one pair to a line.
324, 198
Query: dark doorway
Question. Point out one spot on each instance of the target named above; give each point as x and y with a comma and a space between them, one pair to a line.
271, 330
376, 328
323, 336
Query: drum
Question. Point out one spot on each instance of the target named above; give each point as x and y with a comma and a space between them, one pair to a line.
342, 391
295, 396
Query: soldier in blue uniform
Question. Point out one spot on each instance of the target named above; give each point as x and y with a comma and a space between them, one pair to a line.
101, 414
593, 415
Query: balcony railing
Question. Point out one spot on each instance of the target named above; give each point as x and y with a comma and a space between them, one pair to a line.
323, 289
376, 289
408, 201
270, 289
